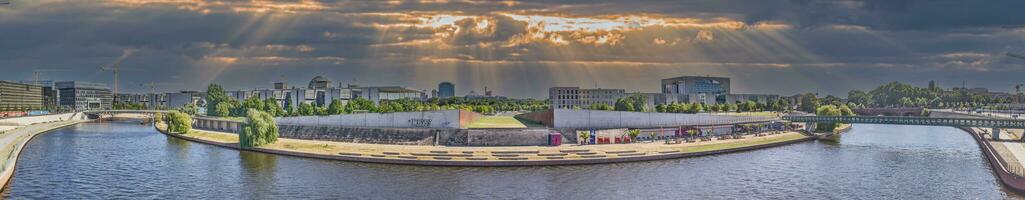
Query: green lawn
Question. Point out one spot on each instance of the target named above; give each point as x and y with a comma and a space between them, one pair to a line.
497, 122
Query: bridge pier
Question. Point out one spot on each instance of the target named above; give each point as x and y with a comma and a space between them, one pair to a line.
996, 133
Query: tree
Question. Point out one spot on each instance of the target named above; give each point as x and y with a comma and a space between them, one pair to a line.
178, 122
289, 109
633, 133
600, 106
305, 109
828, 110
190, 109
584, 136
258, 130
222, 109
809, 103
271, 107
214, 95
336, 107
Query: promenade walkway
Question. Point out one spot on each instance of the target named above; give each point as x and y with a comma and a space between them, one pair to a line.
481, 156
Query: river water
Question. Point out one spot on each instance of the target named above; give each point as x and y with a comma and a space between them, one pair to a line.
132, 161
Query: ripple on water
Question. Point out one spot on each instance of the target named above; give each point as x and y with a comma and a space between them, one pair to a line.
129, 161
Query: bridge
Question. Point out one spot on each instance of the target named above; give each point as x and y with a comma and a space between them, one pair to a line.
996, 124
96, 114
926, 121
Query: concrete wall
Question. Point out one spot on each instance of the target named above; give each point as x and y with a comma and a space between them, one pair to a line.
507, 137
407, 136
23, 121
418, 136
568, 118
214, 124
429, 119
545, 117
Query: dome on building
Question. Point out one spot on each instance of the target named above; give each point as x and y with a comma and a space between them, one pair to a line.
320, 82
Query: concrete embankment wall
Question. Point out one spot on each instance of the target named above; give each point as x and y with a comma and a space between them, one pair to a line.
29, 120
998, 164
418, 136
215, 124
571, 118
18, 138
429, 119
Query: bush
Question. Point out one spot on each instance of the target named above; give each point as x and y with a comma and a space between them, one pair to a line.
178, 122
258, 130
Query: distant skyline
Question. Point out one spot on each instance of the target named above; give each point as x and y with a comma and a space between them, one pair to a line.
518, 48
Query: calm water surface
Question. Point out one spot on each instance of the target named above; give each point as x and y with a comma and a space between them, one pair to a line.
131, 161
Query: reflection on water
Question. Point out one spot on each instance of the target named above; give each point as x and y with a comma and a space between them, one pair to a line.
131, 161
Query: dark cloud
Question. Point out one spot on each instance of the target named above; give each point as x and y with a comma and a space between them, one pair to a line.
822, 46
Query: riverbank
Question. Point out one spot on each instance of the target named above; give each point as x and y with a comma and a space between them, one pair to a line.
1004, 158
494, 156
12, 141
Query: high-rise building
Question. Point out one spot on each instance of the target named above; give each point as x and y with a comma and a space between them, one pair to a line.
20, 96
446, 90
80, 95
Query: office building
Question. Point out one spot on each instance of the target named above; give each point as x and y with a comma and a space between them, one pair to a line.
570, 97
20, 96
78, 95
446, 90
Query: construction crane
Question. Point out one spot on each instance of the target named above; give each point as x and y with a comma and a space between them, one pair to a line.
1014, 55
116, 67
37, 72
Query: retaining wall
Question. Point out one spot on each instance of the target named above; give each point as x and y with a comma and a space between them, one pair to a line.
418, 136
571, 118
29, 120
214, 124
453, 119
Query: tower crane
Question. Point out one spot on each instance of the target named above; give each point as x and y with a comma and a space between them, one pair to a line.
116, 67
1014, 55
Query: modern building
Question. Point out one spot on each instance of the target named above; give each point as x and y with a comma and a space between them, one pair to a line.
20, 96
570, 97
180, 99
78, 95
376, 94
446, 90
696, 89
50, 94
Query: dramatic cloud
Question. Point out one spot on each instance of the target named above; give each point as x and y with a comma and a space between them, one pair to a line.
518, 48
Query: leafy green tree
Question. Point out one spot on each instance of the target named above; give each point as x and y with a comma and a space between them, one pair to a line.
336, 107
178, 122
190, 109
305, 109
223, 109
271, 107
633, 133
809, 103
289, 109
828, 110
258, 130
214, 95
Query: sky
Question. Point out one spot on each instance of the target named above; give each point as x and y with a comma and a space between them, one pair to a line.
517, 48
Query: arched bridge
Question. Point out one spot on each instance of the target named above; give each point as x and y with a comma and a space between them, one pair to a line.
927, 121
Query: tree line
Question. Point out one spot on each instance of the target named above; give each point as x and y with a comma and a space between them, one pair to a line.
220, 104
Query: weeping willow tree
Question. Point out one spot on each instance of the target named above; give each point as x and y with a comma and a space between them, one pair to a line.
258, 130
